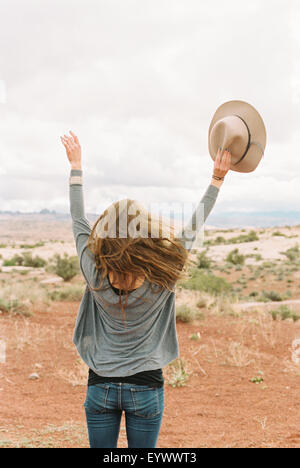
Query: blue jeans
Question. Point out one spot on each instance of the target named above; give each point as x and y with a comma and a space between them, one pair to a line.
143, 406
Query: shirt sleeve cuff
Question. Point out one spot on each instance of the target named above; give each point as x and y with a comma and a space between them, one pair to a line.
75, 177
213, 190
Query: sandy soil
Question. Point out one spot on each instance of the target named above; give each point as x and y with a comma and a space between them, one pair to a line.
219, 406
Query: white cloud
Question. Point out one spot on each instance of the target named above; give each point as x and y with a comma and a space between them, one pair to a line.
139, 82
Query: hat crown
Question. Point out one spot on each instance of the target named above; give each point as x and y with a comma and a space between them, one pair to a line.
230, 132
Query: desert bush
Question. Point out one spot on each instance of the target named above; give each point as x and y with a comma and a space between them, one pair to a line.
68, 293
19, 297
217, 241
25, 260
273, 296
284, 312
206, 282
235, 258
177, 373
66, 267
32, 246
16, 260
250, 237
35, 262
293, 253
23, 272
14, 306
203, 261
184, 313
238, 355
187, 314
223, 304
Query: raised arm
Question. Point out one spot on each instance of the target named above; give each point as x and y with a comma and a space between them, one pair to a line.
80, 224
188, 234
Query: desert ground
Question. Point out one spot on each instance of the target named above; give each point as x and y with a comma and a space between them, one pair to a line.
236, 381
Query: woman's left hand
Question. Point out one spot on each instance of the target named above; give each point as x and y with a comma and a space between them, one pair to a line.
73, 149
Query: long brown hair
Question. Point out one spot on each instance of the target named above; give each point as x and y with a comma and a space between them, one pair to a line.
128, 240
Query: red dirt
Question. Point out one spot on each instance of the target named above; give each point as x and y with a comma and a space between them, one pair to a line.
219, 406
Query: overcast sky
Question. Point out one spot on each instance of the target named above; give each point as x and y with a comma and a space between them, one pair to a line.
139, 81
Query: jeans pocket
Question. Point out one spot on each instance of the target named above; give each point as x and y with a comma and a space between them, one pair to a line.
147, 402
96, 398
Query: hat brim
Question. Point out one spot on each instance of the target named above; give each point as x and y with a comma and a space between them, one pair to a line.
257, 130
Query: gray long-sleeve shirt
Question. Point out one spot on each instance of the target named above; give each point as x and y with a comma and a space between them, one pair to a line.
150, 340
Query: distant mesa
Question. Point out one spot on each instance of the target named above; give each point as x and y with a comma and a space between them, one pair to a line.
46, 211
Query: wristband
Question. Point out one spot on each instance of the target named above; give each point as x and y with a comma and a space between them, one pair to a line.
218, 178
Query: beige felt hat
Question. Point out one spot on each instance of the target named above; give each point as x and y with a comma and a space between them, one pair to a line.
238, 126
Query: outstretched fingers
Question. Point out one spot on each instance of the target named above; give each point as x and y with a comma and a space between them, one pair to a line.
75, 137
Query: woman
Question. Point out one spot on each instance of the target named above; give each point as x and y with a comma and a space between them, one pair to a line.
126, 325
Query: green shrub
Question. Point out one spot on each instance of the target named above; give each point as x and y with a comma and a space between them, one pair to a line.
16, 260
284, 312
35, 262
257, 380
273, 296
250, 237
267, 265
184, 313
235, 258
66, 267
217, 241
32, 246
253, 294
203, 261
206, 282
14, 306
68, 293
293, 253
25, 260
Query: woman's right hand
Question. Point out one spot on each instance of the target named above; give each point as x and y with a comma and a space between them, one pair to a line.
222, 164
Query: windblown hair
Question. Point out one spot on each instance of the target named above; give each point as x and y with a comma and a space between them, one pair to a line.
128, 241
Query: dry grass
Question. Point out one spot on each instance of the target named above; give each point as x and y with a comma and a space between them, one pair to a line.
238, 355
78, 376
223, 305
19, 297
268, 329
70, 433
